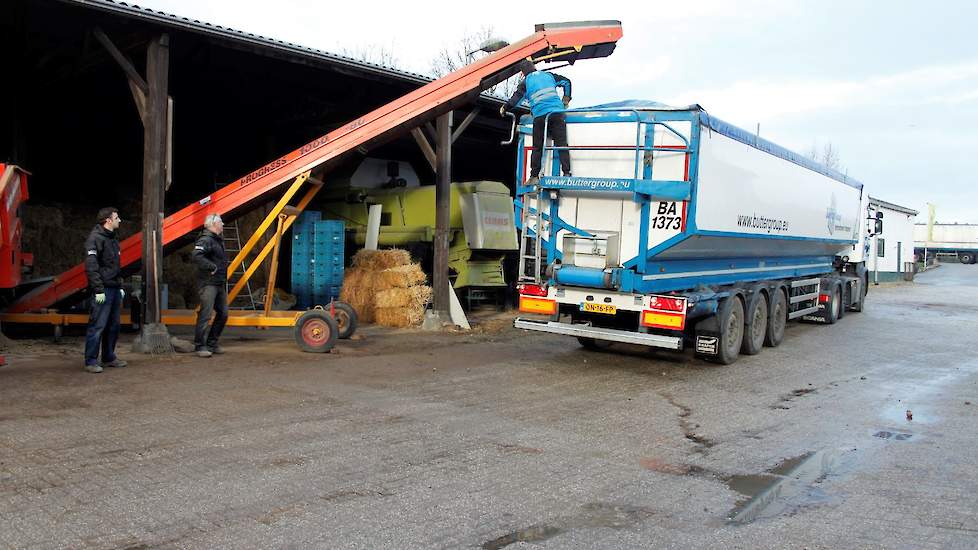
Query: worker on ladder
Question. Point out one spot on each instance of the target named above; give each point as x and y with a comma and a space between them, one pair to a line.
540, 90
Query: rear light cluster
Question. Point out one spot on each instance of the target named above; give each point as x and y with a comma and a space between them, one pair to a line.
667, 303
533, 300
665, 312
531, 290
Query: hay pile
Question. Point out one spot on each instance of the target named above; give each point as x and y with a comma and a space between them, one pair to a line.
385, 287
55, 233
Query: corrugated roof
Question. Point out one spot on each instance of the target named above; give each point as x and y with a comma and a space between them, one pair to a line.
194, 25
891, 206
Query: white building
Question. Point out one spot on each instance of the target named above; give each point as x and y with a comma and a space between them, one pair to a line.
891, 252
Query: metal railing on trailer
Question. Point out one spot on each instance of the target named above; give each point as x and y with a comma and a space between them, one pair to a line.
642, 185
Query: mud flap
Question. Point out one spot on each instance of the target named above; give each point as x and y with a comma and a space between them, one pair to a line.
707, 342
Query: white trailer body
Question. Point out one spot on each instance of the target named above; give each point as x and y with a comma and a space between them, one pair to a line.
955, 239
673, 206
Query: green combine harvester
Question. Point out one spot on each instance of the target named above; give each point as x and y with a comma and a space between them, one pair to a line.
482, 227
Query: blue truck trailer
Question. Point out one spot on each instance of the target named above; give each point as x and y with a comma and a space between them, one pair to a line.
679, 230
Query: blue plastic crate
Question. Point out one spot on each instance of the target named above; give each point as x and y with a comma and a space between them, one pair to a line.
302, 269
308, 218
303, 253
326, 293
317, 259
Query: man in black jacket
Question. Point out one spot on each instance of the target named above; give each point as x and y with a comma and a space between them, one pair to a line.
212, 278
102, 258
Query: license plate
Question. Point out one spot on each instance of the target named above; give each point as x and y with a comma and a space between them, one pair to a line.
591, 307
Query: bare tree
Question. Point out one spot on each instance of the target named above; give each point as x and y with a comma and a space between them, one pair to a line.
466, 51
372, 53
827, 155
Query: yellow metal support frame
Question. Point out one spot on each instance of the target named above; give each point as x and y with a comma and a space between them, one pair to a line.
290, 214
282, 214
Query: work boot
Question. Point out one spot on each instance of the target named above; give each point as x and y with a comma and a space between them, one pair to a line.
216, 350
94, 369
117, 363
204, 352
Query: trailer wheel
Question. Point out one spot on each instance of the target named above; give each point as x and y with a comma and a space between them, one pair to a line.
777, 319
316, 331
731, 331
346, 319
755, 328
966, 258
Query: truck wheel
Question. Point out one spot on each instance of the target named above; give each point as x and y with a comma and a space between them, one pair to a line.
842, 301
777, 319
858, 306
755, 329
966, 258
316, 331
731, 331
833, 306
346, 319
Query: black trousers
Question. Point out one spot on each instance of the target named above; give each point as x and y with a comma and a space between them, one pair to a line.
557, 129
103, 328
213, 299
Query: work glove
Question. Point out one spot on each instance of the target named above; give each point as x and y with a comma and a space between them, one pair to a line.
122, 294
566, 100
502, 110
100, 298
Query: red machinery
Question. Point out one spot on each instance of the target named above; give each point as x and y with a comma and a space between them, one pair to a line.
565, 42
13, 192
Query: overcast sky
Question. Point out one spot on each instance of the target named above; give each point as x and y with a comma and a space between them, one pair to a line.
893, 85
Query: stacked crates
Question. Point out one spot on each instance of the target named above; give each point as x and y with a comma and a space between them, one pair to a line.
327, 259
302, 265
317, 259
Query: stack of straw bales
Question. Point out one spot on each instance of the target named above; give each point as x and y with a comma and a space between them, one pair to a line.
385, 287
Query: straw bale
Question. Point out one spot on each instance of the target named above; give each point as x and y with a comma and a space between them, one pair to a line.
358, 291
378, 260
415, 296
401, 277
399, 317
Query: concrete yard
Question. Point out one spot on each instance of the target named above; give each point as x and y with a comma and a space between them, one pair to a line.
499, 438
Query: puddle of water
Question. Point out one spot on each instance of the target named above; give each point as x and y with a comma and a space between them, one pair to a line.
751, 484
787, 486
530, 534
895, 436
591, 515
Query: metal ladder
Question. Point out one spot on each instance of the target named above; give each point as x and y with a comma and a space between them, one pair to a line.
232, 245
530, 238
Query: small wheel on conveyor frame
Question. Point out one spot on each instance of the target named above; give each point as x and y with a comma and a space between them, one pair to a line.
316, 331
346, 319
